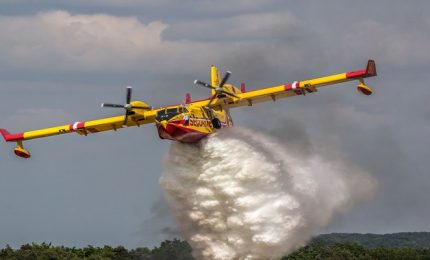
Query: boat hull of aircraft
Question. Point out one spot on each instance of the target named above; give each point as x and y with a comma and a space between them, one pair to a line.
180, 133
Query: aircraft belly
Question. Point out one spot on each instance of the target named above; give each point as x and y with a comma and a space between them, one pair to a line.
180, 133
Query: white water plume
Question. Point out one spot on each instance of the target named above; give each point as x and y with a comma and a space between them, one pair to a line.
240, 195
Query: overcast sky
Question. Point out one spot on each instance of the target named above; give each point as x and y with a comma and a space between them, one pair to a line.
60, 59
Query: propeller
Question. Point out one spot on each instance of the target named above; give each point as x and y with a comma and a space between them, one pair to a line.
218, 90
127, 106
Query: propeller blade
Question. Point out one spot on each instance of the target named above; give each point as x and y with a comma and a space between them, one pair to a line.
224, 80
140, 107
126, 119
112, 105
212, 99
129, 89
204, 84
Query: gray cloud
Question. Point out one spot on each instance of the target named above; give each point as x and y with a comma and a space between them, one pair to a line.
84, 42
59, 65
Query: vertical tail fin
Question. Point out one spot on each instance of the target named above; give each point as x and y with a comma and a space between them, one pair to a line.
214, 78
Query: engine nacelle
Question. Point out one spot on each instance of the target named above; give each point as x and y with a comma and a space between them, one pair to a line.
21, 152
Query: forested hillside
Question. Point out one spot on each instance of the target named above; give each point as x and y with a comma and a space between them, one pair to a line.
396, 240
349, 251
328, 246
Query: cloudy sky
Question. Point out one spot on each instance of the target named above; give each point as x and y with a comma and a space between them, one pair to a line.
60, 59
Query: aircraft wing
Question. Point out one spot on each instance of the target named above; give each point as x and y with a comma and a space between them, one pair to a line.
81, 128
296, 88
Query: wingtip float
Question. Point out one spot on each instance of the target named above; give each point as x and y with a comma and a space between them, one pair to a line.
193, 120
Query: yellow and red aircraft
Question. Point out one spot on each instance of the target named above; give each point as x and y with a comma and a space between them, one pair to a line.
193, 120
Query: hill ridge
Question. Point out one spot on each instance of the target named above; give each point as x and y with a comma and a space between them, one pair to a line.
419, 239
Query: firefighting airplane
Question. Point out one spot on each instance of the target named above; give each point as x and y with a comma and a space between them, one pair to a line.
193, 120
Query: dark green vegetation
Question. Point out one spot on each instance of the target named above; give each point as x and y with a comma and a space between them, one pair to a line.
396, 240
330, 246
175, 249
355, 251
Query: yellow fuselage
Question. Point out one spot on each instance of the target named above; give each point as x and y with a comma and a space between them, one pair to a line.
189, 123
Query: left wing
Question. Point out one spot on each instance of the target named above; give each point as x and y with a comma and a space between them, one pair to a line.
81, 128
296, 88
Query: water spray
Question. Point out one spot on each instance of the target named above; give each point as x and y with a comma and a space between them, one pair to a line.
240, 195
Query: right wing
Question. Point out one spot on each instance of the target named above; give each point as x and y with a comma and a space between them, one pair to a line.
296, 88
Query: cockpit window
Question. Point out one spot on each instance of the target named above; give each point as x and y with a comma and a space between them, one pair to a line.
172, 110
167, 114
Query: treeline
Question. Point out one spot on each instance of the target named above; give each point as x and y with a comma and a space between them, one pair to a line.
396, 240
169, 249
354, 251
331, 246
180, 250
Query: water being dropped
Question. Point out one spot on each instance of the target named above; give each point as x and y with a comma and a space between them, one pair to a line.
240, 195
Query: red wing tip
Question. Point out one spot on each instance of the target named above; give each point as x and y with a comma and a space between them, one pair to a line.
4, 133
8, 137
369, 71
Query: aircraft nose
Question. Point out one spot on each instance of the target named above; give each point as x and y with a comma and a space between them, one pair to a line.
163, 124
168, 128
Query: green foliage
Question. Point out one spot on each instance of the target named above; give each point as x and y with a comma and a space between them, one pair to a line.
354, 251
175, 249
397, 240
331, 247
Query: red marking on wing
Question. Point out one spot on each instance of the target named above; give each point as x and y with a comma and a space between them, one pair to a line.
355, 74
5, 133
76, 126
293, 86
8, 137
288, 86
369, 71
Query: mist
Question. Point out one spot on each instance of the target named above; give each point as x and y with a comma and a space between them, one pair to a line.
239, 194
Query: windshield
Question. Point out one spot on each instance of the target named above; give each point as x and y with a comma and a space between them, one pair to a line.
167, 114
